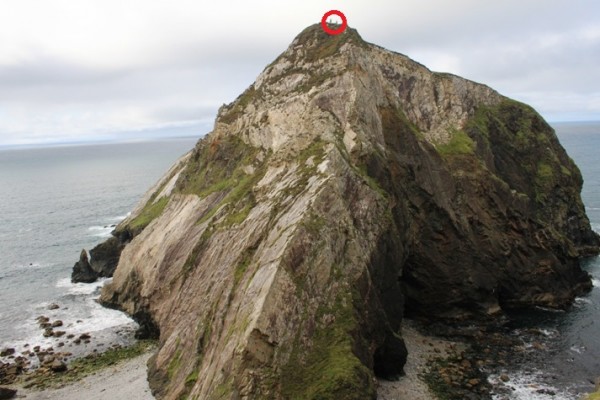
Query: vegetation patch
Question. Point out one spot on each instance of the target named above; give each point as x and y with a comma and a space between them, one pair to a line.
544, 180
593, 396
328, 368
82, 367
150, 212
515, 133
223, 390
313, 224
193, 258
315, 80
192, 378
319, 45
316, 153
239, 105
217, 165
174, 364
242, 265
241, 199
460, 143
544, 173
362, 170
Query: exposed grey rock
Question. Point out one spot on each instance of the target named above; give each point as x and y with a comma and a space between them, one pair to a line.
82, 271
9, 351
58, 366
6, 393
346, 185
105, 257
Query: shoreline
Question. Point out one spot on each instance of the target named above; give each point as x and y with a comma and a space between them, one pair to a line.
438, 366
125, 380
422, 349
443, 362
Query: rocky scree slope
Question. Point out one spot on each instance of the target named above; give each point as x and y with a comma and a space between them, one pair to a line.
346, 186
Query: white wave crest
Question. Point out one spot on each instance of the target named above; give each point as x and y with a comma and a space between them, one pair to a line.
120, 217
80, 288
582, 301
101, 318
101, 231
527, 386
34, 265
578, 349
549, 332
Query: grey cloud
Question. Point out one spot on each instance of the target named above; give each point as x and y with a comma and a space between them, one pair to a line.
496, 43
186, 112
45, 70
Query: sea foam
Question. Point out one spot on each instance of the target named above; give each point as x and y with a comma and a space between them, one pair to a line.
80, 288
528, 386
100, 231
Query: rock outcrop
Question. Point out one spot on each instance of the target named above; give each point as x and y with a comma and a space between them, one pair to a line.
82, 271
103, 259
105, 256
347, 185
7, 393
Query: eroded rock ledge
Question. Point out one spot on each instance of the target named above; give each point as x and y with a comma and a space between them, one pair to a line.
346, 186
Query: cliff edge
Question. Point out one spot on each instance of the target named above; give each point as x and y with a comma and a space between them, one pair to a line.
347, 186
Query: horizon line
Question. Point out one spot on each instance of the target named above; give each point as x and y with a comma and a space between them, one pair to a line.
141, 139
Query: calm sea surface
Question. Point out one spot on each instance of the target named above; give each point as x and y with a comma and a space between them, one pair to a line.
56, 201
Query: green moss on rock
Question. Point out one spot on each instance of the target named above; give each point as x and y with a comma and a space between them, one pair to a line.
544, 173
328, 369
191, 379
319, 45
460, 143
150, 212
174, 364
236, 109
220, 165
82, 367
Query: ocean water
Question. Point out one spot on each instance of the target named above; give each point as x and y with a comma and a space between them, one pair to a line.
570, 360
54, 202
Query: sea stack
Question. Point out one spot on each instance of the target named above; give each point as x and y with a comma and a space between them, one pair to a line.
346, 187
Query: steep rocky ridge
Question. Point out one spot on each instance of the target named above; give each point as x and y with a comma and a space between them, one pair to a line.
346, 185
105, 256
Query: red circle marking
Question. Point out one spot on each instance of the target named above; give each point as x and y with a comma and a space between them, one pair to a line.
327, 29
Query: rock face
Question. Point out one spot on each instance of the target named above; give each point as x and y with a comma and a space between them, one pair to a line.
82, 271
6, 393
105, 256
347, 185
103, 259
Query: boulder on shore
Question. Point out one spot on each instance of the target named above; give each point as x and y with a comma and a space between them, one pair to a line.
58, 366
6, 393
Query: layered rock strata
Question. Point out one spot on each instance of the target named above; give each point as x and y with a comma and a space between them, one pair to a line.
347, 185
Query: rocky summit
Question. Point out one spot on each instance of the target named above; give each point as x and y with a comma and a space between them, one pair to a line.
345, 188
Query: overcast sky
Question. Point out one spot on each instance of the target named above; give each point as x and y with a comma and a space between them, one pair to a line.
93, 69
